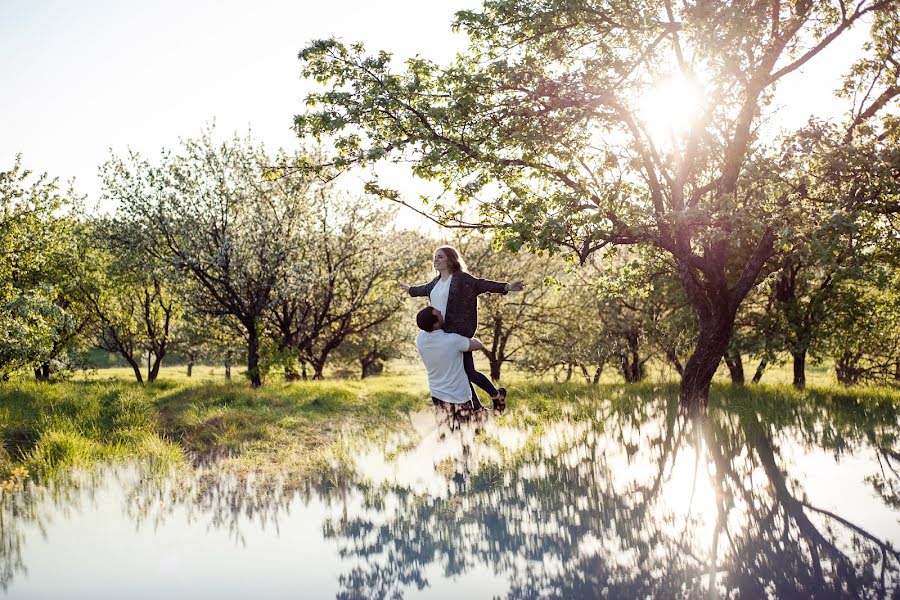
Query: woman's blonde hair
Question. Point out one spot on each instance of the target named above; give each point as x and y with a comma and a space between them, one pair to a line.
454, 261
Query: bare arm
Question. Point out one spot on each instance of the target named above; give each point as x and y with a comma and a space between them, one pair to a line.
475, 344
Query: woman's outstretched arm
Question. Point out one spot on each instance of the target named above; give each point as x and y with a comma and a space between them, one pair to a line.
415, 290
486, 286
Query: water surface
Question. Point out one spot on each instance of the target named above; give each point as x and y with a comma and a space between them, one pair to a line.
618, 498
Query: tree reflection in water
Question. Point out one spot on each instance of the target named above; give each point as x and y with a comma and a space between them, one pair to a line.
584, 507
615, 498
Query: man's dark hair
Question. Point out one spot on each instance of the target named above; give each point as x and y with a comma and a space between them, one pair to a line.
426, 319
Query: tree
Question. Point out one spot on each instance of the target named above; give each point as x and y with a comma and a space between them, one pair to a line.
371, 349
508, 324
345, 286
219, 215
570, 335
540, 125
39, 321
131, 295
862, 334
640, 306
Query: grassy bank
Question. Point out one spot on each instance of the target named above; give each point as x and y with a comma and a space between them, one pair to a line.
48, 427
292, 428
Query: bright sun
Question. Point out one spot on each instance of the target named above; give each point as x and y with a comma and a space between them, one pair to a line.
669, 108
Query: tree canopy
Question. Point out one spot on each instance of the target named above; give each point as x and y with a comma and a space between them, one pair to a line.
539, 132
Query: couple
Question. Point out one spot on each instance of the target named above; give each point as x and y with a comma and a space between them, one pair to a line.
446, 341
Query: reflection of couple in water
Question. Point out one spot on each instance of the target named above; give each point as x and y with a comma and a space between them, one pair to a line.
446, 341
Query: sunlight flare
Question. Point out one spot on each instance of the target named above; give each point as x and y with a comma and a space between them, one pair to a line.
670, 108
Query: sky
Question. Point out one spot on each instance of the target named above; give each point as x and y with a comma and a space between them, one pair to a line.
81, 79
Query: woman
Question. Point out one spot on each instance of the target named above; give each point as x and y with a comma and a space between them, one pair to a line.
455, 293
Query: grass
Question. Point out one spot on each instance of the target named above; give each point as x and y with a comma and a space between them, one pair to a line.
298, 428
48, 428
817, 374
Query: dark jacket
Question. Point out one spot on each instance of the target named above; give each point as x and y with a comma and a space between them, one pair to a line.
462, 300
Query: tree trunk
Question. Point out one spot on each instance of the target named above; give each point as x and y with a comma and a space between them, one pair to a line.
372, 367
673, 358
632, 369
253, 357
569, 374
495, 369
846, 368
760, 369
42, 373
190, 368
735, 366
290, 374
157, 362
135, 367
598, 373
799, 369
366, 363
715, 335
228, 365
715, 303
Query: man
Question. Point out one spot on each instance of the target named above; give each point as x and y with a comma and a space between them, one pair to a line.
442, 354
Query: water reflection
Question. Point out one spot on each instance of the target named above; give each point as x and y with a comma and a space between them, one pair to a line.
619, 498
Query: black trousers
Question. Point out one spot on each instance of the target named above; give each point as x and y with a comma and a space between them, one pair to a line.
476, 377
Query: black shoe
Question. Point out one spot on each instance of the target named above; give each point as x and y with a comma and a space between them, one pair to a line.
500, 400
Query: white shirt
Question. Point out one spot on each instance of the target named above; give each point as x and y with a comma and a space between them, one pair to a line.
439, 295
442, 354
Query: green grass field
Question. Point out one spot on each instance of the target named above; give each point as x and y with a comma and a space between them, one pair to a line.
816, 374
294, 428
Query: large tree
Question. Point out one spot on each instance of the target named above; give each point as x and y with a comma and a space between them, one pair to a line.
540, 124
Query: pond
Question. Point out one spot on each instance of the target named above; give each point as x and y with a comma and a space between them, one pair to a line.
617, 498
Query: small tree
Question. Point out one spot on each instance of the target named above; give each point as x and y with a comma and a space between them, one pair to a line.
346, 286
509, 323
863, 333
39, 319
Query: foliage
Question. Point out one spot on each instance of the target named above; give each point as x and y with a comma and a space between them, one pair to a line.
39, 322
539, 126
218, 214
345, 285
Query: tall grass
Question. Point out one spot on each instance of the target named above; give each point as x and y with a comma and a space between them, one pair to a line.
49, 427
46, 428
